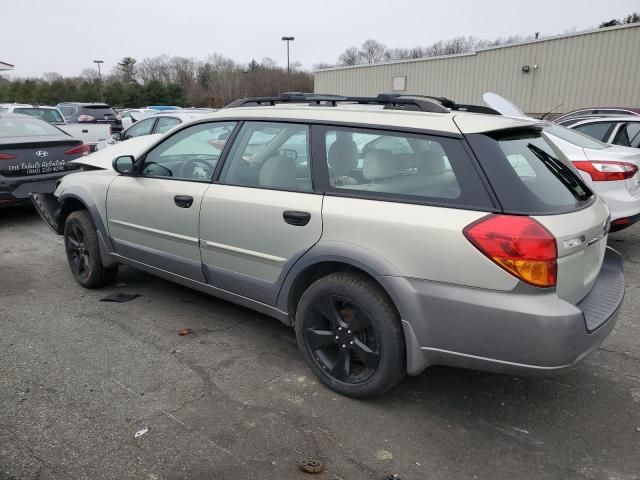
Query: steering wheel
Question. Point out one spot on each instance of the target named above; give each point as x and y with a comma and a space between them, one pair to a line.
188, 169
166, 172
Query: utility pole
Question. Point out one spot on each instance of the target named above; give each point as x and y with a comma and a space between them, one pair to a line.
288, 39
98, 62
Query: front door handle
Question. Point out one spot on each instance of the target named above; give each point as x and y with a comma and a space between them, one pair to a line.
183, 201
297, 218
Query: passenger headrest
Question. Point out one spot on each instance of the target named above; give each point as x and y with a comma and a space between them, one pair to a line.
379, 164
431, 163
278, 172
343, 156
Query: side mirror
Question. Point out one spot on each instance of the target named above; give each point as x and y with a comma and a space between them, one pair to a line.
117, 136
124, 164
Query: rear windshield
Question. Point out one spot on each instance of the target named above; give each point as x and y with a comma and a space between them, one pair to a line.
572, 136
49, 115
528, 175
99, 111
26, 127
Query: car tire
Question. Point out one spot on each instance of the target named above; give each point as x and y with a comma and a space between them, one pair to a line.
83, 252
350, 334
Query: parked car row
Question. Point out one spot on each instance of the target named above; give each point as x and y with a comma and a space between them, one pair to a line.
390, 240
89, 133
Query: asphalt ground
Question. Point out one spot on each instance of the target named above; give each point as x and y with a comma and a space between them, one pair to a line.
234, 399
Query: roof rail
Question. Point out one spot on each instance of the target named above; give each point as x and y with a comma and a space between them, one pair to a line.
392, 101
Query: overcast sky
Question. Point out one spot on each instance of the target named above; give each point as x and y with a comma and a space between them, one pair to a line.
64, 36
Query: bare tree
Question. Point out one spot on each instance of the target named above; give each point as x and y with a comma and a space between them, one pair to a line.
372, 52
351, 56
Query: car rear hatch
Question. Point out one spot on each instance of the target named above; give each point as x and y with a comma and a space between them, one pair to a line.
531, 177
22, 157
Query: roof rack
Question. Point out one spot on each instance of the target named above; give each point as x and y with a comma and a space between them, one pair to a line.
392, 101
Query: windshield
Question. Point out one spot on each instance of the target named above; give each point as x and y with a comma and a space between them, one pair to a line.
26, 127
49, 115
572, 136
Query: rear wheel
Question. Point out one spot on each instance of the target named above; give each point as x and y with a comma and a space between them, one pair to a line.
350, 334
83, 252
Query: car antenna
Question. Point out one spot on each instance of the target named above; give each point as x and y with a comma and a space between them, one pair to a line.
559, 105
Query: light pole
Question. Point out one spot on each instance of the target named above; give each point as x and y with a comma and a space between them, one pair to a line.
288, 39
98, 62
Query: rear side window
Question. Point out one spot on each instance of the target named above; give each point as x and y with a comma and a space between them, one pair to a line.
68, 111
528, 175
628, 135
599, 130
401, 167
572, 136
26, 127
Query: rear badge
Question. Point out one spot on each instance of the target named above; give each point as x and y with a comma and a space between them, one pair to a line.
42, 153
574, 242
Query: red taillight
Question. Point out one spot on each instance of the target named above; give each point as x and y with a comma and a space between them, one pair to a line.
7, 156
622, 221
605, 171
79, 150
518, 244
86, 118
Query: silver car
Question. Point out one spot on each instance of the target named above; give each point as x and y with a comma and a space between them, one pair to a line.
389, 239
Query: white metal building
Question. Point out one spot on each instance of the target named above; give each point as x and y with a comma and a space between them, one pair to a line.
592, 68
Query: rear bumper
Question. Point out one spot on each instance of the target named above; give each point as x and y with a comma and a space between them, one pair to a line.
527, 330
624, 222
17, 191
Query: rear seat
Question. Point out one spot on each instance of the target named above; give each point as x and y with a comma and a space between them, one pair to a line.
423, 174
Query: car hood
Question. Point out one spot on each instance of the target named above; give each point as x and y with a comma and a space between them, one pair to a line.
104, 158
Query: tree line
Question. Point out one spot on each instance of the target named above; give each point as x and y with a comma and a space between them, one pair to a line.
213, 82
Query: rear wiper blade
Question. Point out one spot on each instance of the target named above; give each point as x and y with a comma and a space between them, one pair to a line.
560, 170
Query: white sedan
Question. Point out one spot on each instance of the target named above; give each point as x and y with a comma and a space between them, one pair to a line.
158, 123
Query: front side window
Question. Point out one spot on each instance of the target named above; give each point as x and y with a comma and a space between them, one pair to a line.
599, 130
270, 155
139, 129
401, 165
190, 154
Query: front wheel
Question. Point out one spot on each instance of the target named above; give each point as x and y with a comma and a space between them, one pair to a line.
350, 335
83, 252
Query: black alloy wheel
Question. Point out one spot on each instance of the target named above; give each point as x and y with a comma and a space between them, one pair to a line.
343, 340
350, 334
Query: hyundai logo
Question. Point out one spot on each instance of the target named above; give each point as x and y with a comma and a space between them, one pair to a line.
42, 153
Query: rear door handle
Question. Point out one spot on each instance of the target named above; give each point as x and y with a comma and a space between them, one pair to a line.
183, 201
295, 217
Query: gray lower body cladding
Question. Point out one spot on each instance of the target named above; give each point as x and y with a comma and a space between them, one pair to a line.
515, 332
528, 330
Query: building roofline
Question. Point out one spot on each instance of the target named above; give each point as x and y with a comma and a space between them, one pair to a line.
475, 52
7, 64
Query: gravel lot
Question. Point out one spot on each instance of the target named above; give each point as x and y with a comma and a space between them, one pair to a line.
234, 400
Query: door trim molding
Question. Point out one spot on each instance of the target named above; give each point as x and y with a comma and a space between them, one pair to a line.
241, 252
156, 232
